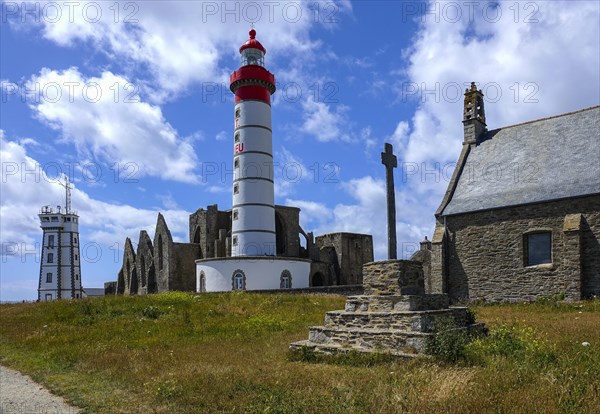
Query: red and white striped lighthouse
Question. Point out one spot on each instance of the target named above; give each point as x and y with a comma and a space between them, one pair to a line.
253, 211
252, 264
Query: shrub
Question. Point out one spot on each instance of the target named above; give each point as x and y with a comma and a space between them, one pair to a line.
449, 342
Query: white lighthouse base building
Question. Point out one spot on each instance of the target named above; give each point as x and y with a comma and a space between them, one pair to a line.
251, 273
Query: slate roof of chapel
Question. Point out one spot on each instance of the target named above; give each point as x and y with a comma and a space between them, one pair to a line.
538, 161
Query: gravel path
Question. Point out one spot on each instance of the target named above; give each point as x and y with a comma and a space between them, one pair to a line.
19, 394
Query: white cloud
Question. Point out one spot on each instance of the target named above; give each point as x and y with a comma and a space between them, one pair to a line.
222, 136
288, 170
105, 223
144, 37
553, 62
369, 216
313, 214
107, 121
528, 70
324, 123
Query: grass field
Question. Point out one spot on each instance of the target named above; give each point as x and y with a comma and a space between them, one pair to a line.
180, 353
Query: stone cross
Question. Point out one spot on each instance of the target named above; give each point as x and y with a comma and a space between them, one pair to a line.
390, 161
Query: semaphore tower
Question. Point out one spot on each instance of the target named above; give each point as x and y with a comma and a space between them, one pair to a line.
60, 270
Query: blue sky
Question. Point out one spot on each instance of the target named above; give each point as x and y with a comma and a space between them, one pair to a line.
131, 101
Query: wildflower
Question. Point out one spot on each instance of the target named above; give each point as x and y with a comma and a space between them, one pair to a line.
585, 343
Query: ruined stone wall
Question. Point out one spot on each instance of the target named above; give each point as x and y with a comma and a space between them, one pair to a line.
110, 288
288, 231
182, 266
204, 226
485, 253
130, 281
145, 265
320, 274
163, 246
353, 250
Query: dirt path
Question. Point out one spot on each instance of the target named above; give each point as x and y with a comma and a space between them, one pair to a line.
20, 394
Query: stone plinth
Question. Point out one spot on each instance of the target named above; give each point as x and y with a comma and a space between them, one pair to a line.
393, 277
394, 315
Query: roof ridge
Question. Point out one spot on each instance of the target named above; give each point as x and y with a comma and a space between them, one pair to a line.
550, 117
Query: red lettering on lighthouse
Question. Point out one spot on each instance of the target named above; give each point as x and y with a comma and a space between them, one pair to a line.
239, 148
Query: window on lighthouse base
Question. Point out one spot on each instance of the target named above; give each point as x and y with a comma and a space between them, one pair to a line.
239, 280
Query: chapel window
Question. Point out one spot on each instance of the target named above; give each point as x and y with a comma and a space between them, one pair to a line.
537, 248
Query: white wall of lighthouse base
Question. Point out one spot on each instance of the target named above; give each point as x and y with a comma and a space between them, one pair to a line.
260, 272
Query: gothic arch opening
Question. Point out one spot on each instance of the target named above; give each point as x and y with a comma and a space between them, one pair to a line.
152, 286
318, 279
120, 283
196, 235
280, 235
160, 252
143, 270
133, 287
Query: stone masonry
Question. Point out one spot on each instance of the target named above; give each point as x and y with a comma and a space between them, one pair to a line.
160, 264
480, 255
394, 315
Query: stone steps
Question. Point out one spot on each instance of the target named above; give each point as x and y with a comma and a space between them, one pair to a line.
330, 349
369, 339
393, 316
410, 321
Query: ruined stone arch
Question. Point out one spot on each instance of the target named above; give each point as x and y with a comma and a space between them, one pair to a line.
133, 285
120, 283
152, 284
145, 261
130, 266
281, 240
318, 279
197, 235
143, 270
161, 252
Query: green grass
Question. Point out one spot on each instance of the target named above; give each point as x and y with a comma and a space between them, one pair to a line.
228, 353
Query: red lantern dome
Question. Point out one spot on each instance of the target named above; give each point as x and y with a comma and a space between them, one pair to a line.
252, 43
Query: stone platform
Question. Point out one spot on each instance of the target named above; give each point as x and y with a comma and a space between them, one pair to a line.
395, 316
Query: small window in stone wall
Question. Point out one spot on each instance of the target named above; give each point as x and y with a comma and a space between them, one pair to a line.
236, 214
537, 248
235, 241
237, 137
236, 163
236, 189
48, 277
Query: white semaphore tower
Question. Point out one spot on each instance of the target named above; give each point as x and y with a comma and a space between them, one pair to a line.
253, 263
253, 210
60, 270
